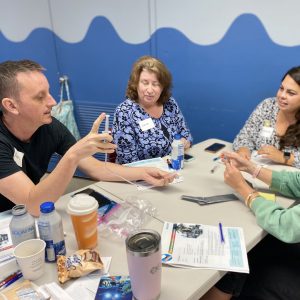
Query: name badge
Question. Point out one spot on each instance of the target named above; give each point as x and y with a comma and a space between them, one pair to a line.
267, 132
146, 124
18, 157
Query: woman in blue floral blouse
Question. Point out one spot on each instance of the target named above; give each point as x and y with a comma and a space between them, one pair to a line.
146, 122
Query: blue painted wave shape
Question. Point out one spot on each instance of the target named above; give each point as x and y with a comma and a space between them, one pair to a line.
216, 86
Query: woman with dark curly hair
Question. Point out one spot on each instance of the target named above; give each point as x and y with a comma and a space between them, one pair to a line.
280, 140
146, 122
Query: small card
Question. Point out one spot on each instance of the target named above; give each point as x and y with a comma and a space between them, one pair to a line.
114, 287
268, 196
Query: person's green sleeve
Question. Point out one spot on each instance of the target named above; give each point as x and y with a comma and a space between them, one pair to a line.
283, 223
286, 183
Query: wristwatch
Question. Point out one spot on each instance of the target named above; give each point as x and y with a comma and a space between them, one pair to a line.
286, 156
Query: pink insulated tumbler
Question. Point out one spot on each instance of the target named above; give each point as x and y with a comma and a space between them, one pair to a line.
144, 263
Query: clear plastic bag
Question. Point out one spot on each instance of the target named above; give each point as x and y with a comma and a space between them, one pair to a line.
126, 217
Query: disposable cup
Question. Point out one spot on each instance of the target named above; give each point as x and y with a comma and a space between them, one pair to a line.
83, 210
30, 256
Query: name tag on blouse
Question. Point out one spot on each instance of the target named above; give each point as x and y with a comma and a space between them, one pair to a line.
146, 124
267, 132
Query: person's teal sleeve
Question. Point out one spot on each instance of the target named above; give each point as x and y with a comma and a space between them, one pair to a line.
286, 183
283, 223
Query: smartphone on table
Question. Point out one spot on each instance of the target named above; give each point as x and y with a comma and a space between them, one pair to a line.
188, 157
215, 147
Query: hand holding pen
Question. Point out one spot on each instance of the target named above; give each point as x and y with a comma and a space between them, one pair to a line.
218, 159
94, 142
238, 161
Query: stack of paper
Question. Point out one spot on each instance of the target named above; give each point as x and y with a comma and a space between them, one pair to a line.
8, 264
204, 246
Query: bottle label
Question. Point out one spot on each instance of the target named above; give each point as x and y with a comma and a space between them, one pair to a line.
176, 164
51, 232
50, 252
60, 248
177, 155
54, 249
27, 231
22, 234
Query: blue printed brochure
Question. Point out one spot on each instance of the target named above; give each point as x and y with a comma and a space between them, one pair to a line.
114, 287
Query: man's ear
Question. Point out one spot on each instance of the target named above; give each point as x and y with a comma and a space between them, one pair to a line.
10, 105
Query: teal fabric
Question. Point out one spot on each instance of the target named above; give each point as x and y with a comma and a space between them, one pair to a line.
64, 110
283, 223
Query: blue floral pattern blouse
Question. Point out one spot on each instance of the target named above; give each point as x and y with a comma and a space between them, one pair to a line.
134, 144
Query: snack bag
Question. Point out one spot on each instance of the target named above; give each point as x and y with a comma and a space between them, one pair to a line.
82, 262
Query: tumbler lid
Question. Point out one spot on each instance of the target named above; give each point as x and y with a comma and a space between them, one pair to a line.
143, 242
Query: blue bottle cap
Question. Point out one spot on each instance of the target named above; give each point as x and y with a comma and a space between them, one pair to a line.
177, 136
47, 207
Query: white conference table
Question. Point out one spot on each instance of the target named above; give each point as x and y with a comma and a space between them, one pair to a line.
177, 283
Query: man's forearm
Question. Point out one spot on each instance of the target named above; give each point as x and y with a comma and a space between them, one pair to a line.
99, 170
53, 186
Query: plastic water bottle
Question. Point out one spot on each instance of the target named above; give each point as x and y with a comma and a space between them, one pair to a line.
177, 153
51, 231
22, 225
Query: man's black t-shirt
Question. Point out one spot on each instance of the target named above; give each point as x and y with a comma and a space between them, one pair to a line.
33, 157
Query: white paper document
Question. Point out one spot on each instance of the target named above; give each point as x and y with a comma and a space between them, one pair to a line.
6, 245
201, 246
260, 159
157, 162
86, 287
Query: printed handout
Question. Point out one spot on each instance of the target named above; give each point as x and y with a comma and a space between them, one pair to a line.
204, 246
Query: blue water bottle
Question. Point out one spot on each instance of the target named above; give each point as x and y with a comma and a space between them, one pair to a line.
177, 153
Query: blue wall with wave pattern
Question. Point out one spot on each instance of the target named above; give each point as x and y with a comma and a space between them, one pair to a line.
216, 86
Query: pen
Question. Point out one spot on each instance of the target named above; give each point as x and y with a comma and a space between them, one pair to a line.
221, 233
11, 281
8, 278
106, 123
215, 167
106, 130
172, 241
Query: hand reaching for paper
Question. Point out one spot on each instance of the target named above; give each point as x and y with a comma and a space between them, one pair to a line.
158, 177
